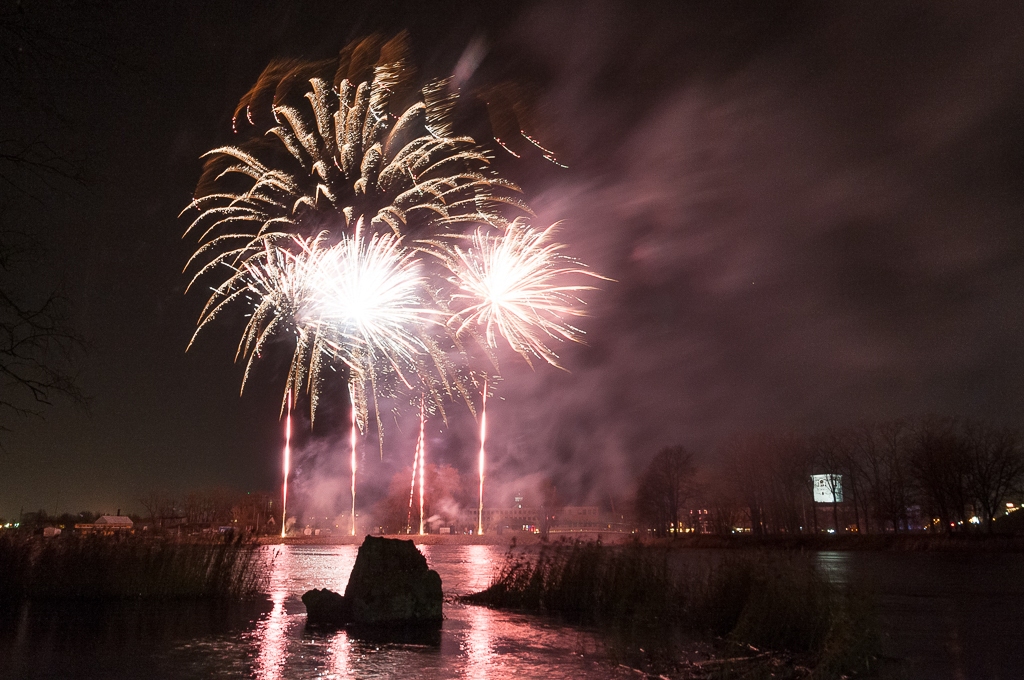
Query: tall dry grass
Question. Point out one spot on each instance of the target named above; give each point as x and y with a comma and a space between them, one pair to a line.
119, 567
747, 604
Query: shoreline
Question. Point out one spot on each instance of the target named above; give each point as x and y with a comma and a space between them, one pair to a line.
879, 542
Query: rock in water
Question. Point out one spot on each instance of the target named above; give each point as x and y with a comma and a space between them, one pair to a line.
325, 608
390, 585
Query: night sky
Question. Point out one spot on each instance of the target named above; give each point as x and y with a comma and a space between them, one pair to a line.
812, 213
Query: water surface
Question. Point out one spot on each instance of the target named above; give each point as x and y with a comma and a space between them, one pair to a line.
943, 615
269, 640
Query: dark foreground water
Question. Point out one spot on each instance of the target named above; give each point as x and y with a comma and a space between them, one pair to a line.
944, 616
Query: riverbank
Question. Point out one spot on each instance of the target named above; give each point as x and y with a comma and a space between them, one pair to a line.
768, 613
879, 542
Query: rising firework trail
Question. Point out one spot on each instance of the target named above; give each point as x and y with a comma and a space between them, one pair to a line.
412, 488
352, 442
483, 440
423, 459
287, 464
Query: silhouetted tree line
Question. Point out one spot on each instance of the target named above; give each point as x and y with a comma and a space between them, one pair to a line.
249, 512
40, 519
935, 474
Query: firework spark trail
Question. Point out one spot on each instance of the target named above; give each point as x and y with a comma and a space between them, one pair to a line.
412, 488
423, 459
352, 441
483, 440
287, 465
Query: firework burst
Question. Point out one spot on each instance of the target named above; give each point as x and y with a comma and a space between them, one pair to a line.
514, 285
353, 220
341, 147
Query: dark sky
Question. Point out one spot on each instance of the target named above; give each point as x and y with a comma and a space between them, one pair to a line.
812, 213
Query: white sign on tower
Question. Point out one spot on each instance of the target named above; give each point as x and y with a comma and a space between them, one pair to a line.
827, 488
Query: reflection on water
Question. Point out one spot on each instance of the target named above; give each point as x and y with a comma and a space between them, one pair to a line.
269, 640
944, 615
478, 644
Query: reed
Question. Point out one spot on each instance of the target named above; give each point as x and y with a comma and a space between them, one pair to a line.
121, 567
649, 602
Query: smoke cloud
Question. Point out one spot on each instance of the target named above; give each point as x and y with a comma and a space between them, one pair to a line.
809, 223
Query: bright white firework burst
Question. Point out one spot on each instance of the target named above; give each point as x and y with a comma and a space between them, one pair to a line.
516, 285
368, 296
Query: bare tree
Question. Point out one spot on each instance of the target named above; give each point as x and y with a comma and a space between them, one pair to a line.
745, 471
940, 462
38, 346
253, 511
209, 507
788, 460
160, 507
854, 468
831, 455
664, 488
43, 48
726, 511
770, 472
885, 450
995, 468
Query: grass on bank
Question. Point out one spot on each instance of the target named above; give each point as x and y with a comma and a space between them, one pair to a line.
762, 611
123, 567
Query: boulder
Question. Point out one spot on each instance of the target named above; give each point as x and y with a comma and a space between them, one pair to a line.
390, 585
325, 608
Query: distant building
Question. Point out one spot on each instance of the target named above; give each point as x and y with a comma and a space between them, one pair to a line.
108, 524
568, 519
577, 518
511, 519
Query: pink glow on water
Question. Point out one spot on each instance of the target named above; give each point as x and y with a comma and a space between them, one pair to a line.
478, 645
272, 641
339, 651
475, 642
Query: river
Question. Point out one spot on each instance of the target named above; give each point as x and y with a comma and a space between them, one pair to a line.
943, 616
